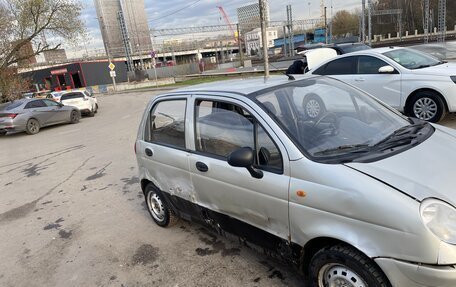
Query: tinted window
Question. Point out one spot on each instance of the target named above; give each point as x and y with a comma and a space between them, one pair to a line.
369, 65
344, 66
51, 103
71, 96
167, 123
35, 104
222, 128
10, 106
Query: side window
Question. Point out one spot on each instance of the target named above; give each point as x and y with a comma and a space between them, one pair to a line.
369, 65
35, 104
269, 156
221, 128
50, 103
167, 123
344, 66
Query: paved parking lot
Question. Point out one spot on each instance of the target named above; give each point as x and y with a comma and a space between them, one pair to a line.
72, 214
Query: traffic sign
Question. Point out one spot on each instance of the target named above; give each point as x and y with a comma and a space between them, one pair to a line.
111, 66
113, 74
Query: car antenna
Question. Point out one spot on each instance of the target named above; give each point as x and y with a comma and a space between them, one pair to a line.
290, 77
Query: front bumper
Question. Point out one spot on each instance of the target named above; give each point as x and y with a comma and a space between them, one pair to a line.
401, 273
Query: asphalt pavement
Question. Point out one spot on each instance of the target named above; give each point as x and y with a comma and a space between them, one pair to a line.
72, 214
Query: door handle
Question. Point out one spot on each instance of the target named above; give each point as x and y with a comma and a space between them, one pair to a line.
359, 79
201, 166
149, 152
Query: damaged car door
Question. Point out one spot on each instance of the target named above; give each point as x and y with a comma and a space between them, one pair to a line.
237, 198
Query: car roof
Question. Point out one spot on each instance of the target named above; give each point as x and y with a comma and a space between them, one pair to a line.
238, 86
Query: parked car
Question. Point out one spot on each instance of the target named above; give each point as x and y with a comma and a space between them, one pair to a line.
301, 66
55, 96
88, 105
351, 197
30, 115
413, 82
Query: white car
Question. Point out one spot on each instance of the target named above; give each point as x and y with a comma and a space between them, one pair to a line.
86, 104
413, 82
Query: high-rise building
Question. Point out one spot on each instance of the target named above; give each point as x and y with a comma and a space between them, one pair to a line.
249, 16
137, 27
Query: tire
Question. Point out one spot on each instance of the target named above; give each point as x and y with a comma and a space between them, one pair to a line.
313, 106
32, 127
341, 265
74, 117
96, 108
426, 105
158, 209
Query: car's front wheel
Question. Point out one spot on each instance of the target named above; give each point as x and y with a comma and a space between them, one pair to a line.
428, 106
32, 127
341, 265
74, 117
158, 209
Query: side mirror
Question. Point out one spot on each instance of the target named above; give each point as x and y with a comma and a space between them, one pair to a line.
243, 157
386, 70
60, 104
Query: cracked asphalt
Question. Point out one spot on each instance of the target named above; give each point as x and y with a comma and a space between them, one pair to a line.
72, 214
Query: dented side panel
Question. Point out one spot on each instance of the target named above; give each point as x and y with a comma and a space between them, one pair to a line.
344, 204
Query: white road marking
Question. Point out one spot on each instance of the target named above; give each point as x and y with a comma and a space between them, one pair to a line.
125, 117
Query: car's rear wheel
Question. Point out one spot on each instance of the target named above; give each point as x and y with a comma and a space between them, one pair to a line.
158, 209
74, 117
96, 108
32, 127
427, 105
341, 265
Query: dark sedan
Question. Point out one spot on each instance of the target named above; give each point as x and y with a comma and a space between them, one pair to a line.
30, 115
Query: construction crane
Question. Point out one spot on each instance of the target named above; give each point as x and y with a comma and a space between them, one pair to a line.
227, 20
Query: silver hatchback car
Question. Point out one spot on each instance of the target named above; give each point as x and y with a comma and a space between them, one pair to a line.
354, 194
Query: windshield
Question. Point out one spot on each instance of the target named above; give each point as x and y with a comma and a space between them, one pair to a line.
329, 119
412, 59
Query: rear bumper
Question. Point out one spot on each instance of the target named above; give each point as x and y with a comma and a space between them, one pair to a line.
401, 273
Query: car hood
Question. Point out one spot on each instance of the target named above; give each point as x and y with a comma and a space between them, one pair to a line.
447, 69
427, 170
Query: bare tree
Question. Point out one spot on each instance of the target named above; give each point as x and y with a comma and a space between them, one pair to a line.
345, 22
24, 21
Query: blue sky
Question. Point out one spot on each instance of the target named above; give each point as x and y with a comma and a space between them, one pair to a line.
205, 12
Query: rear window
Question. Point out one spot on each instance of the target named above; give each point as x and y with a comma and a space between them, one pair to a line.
10, 106
71, 96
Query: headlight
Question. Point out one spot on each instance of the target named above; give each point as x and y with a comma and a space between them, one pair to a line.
440, 218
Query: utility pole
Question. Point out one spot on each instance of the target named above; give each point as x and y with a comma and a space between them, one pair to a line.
264, 39
363, 21
369, 19
241, 53
326, 28
426, 21
290, 30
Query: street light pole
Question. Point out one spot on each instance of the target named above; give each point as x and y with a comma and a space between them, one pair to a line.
264, 39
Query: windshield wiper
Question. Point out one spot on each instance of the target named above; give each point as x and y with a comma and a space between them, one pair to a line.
402, 136
351, 148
